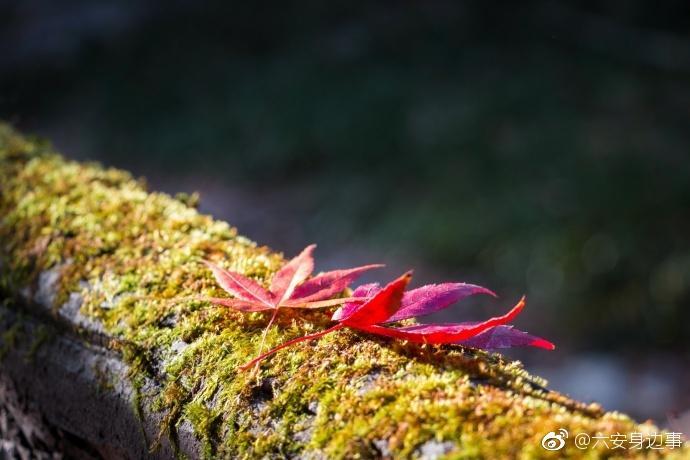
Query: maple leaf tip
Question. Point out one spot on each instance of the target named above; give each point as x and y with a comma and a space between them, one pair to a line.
521, 304
211, 265
543, 343
483, 290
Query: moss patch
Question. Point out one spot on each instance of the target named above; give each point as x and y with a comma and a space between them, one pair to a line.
133, 256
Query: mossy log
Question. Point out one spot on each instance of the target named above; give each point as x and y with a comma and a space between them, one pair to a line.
103, 353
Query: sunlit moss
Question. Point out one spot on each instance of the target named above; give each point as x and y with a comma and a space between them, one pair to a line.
133, 257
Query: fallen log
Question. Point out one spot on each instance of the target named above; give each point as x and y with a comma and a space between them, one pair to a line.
104, 355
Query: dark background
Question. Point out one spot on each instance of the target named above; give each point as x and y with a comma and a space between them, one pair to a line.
539, 148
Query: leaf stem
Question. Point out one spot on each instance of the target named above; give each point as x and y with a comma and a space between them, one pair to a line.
288, 343
263, 336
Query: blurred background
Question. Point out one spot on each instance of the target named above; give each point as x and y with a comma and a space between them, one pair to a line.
540, 148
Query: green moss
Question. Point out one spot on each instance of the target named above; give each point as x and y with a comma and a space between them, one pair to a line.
134, 258
204, 421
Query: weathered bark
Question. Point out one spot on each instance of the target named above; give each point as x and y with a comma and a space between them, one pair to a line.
104, 355
67, 391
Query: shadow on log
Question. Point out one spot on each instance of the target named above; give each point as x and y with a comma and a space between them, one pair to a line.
104, 355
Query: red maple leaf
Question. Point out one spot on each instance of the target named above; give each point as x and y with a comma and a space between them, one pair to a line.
290, 287
392, 303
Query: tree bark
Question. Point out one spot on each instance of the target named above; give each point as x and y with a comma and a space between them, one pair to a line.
106, 354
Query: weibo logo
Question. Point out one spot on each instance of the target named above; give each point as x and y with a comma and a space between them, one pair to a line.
554, 440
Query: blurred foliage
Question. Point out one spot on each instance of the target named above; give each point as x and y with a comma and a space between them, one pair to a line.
533, 144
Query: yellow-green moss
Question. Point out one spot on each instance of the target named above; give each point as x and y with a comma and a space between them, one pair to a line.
134, 258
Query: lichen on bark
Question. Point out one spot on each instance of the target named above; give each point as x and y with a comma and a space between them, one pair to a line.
126, 261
